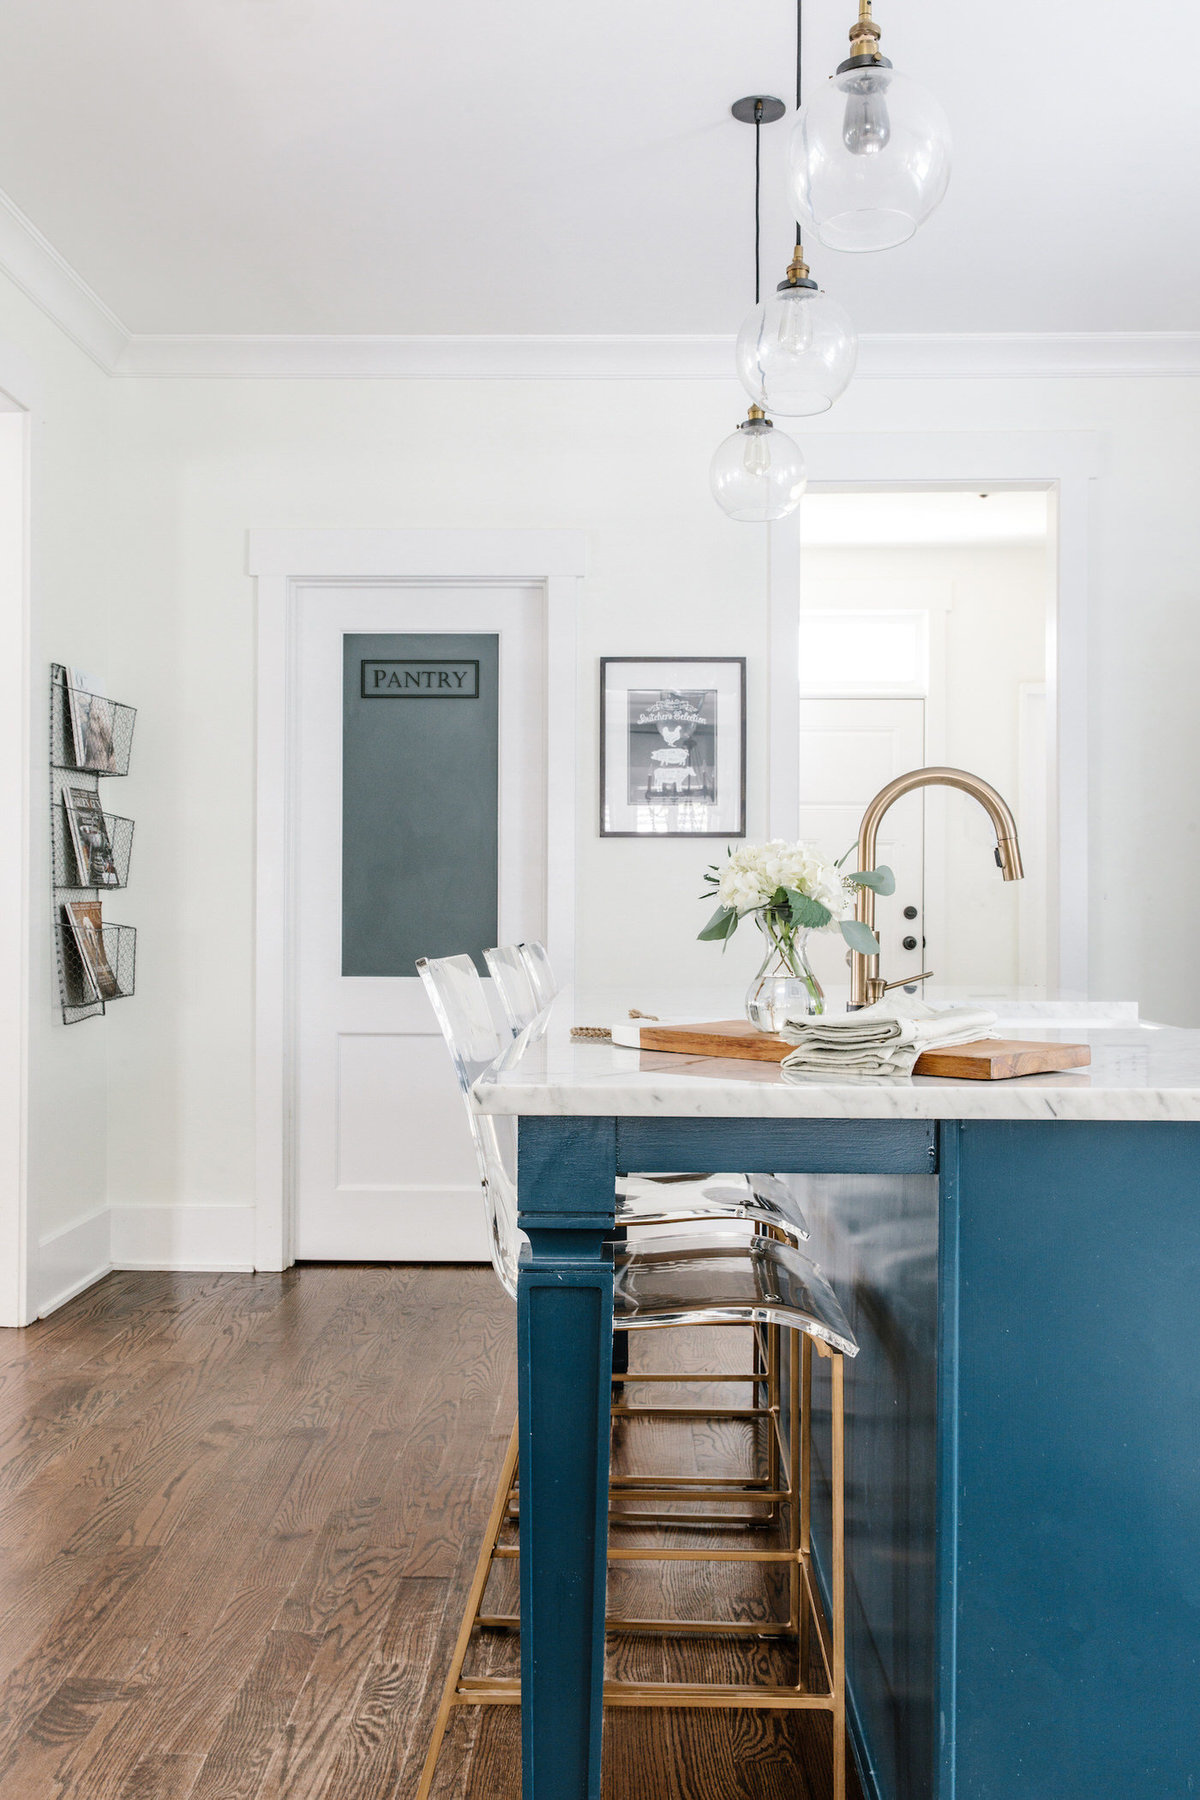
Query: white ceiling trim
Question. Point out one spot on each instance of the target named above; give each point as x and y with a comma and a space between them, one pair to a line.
38, 269
562, 358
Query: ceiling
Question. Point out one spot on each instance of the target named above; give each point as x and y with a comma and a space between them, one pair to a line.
350, 166
865, 521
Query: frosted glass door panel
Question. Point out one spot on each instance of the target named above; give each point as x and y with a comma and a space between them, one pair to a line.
420, 817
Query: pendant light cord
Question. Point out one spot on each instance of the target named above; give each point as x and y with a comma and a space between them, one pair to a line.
799, 75
758, 108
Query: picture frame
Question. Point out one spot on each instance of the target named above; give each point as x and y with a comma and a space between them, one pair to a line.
673, 746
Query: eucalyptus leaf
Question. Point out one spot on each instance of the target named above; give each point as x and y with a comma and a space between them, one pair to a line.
860, 937
720, 927
881, 879
806, 912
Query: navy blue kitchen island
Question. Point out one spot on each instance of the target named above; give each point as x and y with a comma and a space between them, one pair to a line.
1021, 1266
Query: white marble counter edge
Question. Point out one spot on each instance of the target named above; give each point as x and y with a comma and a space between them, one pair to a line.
707, 1098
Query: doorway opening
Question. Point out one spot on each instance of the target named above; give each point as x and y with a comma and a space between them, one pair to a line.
927, 636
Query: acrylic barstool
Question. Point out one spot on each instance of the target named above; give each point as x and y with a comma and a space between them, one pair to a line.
686, 1281
509, 971
525, 983
541, 972
758, 1201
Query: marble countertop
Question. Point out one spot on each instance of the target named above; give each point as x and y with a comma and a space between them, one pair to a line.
1137, 1072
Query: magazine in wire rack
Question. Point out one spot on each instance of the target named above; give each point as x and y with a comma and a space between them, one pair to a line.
93, 723
90, 840
87, 930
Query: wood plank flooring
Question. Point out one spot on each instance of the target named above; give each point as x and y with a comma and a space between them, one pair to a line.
238, 1515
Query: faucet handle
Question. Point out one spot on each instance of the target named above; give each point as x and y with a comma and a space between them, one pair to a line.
877, 987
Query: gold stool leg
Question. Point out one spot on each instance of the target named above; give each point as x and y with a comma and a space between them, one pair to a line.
796, 1606
474, 1600
803, 1376
837, 1573
774, 1338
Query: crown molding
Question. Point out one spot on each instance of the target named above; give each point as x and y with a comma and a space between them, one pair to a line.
436, 358
1037, 355
31, 261
37, 268
922, 356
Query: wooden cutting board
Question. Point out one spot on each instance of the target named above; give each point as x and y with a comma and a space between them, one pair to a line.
729, 1037
999, 1059
990, 1059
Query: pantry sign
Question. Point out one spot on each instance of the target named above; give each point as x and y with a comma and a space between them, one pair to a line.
423, 680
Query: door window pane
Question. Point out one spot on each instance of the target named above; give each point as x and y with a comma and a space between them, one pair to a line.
420, 765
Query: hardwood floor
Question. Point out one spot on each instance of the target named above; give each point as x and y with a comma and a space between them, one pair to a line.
238, 1515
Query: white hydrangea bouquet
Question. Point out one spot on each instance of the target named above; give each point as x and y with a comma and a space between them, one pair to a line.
790, 889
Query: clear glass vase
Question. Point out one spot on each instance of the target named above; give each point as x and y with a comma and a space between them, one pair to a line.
785, 985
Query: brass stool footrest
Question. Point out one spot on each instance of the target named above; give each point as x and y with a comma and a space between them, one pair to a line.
494, 1690
670, 1627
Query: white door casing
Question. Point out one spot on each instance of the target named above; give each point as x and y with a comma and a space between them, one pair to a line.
287, 564
15, 812
19, 1250
1065, 462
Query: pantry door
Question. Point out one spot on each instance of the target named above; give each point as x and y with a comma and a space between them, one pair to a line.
849, 749
420, 817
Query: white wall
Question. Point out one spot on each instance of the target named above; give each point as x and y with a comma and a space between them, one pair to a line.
143, 495
71, 570
201, 461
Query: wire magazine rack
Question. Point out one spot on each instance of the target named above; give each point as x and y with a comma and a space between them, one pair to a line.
87, 864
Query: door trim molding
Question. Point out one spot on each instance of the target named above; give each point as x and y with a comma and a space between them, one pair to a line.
1067, 463
20, 1251
282, 561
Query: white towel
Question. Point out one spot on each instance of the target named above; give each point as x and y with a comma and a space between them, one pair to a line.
884, 1039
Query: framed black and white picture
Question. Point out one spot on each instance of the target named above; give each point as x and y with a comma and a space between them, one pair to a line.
673, 746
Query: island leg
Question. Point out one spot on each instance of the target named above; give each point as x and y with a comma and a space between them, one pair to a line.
566, 1176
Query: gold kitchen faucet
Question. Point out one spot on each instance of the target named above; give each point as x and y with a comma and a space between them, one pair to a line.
866, 983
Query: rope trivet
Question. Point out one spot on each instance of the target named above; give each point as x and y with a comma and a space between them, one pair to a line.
602, 1031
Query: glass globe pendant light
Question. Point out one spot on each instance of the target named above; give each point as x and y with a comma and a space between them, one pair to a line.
870, 151
796, 351
757, 473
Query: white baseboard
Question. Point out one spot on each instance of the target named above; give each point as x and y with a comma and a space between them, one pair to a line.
183, 1237
69, 1260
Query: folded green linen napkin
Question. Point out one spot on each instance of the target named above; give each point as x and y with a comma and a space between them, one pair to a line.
884, 1039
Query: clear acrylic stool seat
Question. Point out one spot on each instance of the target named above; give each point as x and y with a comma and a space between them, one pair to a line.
525, 984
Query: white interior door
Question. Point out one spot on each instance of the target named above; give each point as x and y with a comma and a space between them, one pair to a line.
849, 749
395, 844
